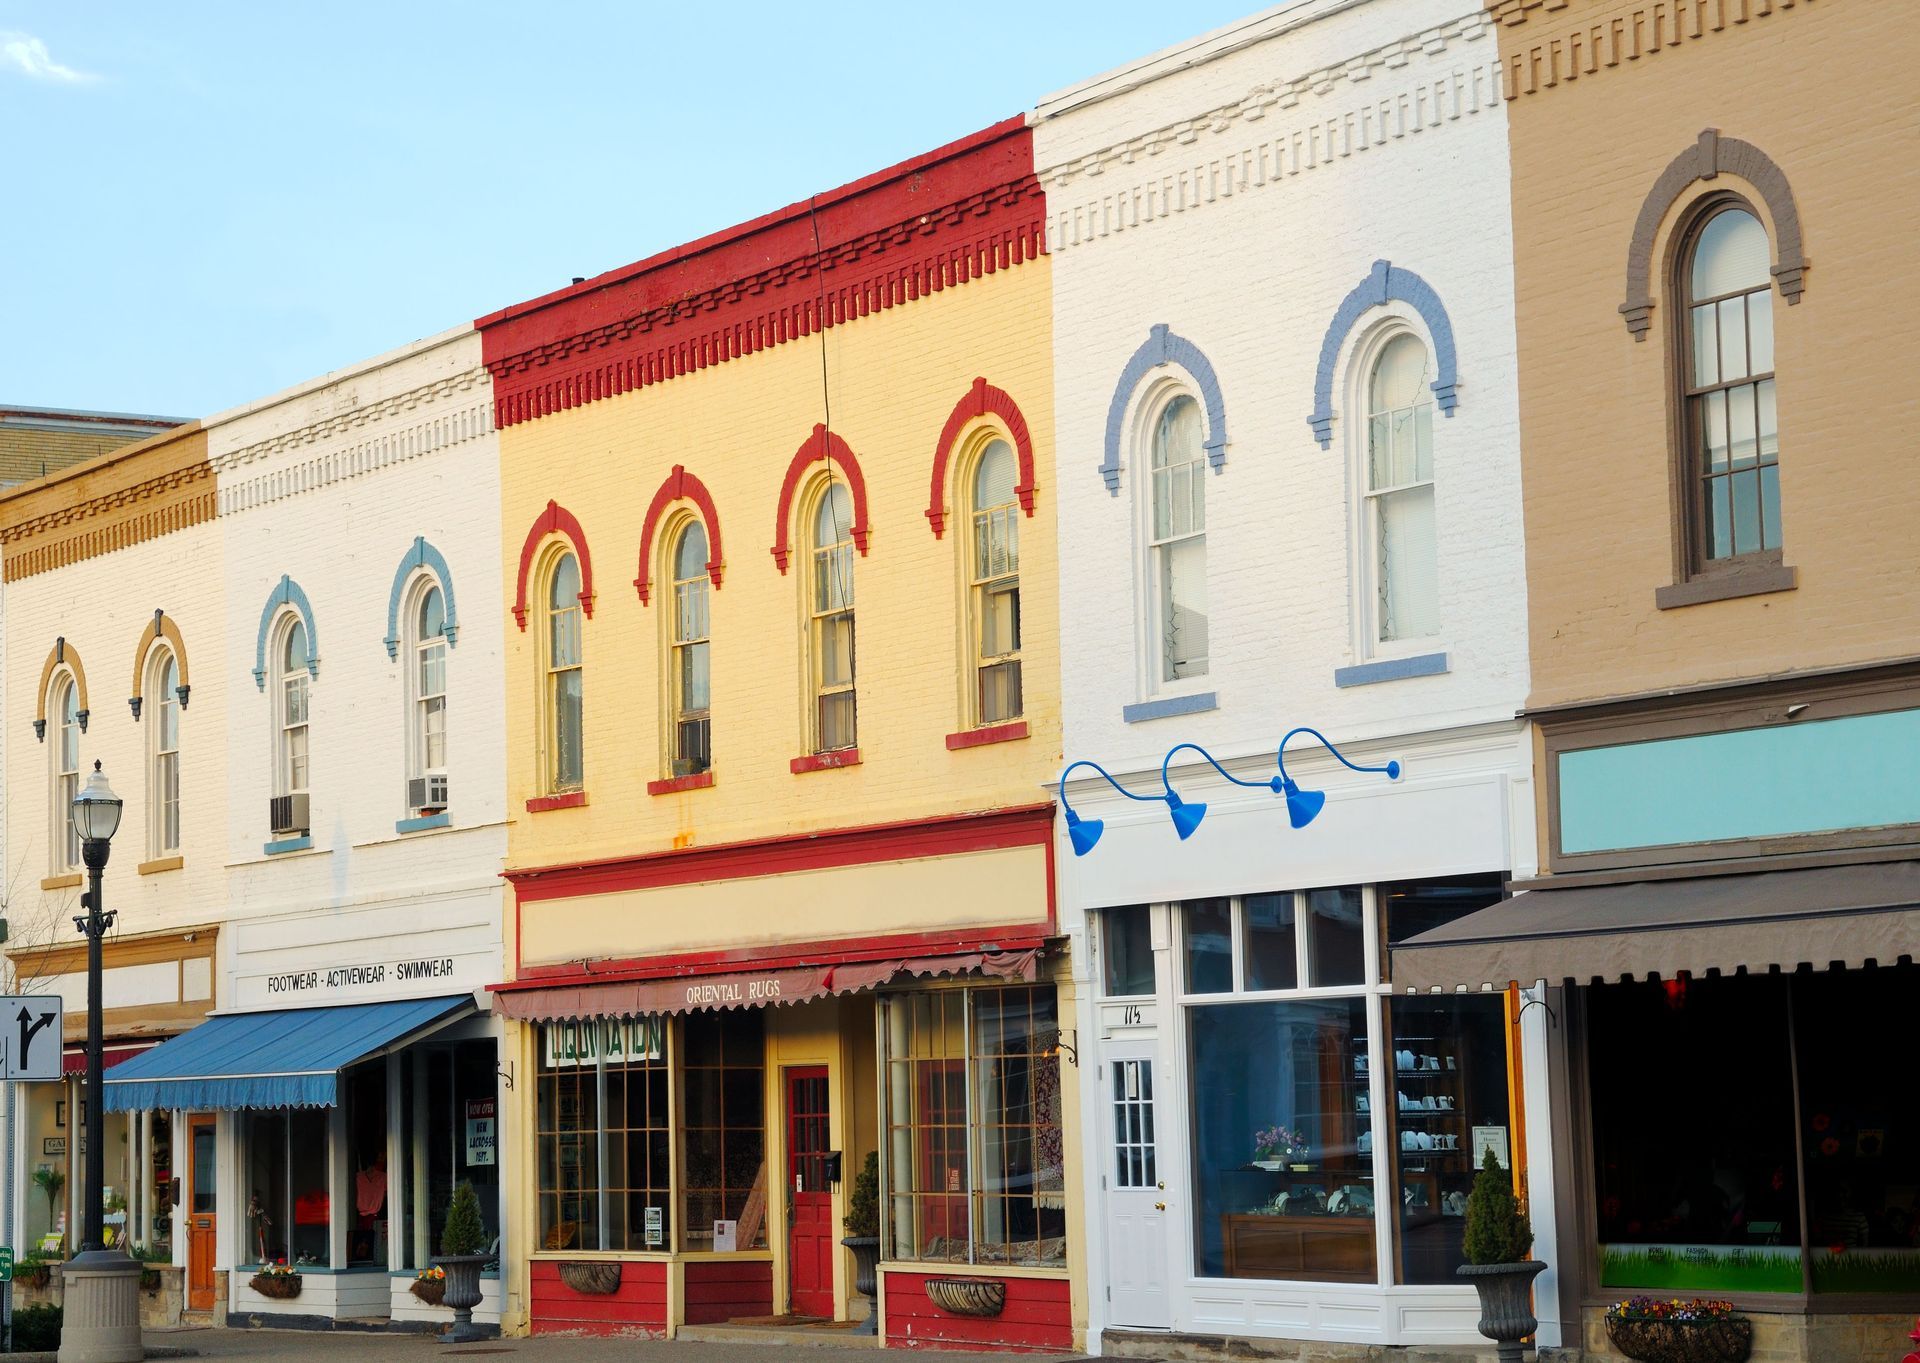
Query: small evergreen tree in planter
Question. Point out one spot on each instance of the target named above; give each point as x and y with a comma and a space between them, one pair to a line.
463, 1245
1499, 1245
862, 1223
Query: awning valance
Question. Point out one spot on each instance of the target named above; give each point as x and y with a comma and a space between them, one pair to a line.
1821, 917
74, 1059
750, 989
291, 1058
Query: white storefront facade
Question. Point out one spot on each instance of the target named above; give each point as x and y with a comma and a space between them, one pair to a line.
1282, 285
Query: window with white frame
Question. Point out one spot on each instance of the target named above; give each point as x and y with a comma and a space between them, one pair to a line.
690, 737
994, 586
291, 690
427, 718
1177, 543
561, 703
63, 838
830, 611
163, 753
1400, 531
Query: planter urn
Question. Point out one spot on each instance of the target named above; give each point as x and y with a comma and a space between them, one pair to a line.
866, 1268
462, 1294
1506, 1302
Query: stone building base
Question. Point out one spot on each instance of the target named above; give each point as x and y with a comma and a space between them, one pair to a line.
1235, 1349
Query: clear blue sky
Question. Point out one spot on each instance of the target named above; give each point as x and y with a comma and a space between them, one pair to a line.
204, 203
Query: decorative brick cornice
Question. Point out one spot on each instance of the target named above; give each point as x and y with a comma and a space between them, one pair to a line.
941, 220
359, 441
1278, 130
186, 498
1604, 36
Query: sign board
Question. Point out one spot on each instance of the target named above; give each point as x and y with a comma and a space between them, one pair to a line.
725, 1235
482, 1131
656, 1226
1492, 1138
1117, 1018
53, 1145
6, 1263
30, 1037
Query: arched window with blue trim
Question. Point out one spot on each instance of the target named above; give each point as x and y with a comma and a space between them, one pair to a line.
1177, 541
1400, 533
426, 655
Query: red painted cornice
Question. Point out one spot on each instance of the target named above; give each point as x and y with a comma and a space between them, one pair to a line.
964, 210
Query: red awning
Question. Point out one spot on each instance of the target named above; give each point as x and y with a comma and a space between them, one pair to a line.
75, 1061
751, 989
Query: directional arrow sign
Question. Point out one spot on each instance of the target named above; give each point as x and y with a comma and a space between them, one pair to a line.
30, 1037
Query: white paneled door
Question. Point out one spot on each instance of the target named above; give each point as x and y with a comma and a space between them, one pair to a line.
1137, 1206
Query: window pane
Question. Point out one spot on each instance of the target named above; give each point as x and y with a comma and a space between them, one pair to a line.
1415, 906
563, 591
1000, 620
833, 519
690, 555
1760, 330
1706, 346
1730, 255
1336, 937
1178, 437
723, 1155
1020, 1185
1000, 692
1746, 511
1399, 375
1409, 570
1209, 938
1733, 339
567, 737
1768, 420
837, 721
1126, 942
833, 579
1714, 409
1272, 953
433, 615
1183, 596
1282, 1145
564, 638
1719, 517
1770, 506
994, 477
836, 650
1741, 447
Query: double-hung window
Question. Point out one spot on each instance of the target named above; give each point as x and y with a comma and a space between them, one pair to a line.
163, 754
691, 746
994, 586
1177, 543
565, 762
1400, 526
294, 682
831, 622
427, 782
63, 837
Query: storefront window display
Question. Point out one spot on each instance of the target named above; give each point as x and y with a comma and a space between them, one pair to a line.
449, 1126
603, 1128
287, 1208
723, 1114
975, 1169
367, 1177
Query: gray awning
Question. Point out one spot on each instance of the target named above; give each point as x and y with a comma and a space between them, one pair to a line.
1828, 916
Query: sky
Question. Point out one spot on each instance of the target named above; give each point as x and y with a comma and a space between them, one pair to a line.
204, 203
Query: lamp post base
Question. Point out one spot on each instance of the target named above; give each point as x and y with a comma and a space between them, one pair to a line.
101, 1321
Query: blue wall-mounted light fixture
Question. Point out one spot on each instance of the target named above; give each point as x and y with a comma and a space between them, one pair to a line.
1302, 805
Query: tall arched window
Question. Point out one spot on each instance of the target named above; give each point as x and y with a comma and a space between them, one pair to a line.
1400, 528
1733, 441
292, 680
162, 713
831, 611
691, 736
566, 748
427, 702
62, 838
1177, 542
994, 585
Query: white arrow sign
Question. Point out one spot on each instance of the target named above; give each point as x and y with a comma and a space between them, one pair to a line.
30, 1038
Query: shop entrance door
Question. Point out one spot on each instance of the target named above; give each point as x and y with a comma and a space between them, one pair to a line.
201, 1212
1136, 1194
810, 1237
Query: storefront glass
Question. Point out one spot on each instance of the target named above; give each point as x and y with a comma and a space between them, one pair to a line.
1127, 951
723, 1113
285, 1159
602, 1105
366, 1098
975, 1161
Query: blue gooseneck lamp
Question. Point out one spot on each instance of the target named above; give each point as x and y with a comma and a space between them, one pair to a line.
1302, 805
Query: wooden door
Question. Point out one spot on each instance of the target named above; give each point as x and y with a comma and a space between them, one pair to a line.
201, 1208
810, 1237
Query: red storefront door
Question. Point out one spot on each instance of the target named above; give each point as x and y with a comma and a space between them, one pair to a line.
810, 1237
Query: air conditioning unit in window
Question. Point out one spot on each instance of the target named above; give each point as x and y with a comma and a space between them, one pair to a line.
427, 794
288, 814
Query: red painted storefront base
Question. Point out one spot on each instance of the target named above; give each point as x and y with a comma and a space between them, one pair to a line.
638, 1306
1038, 1317
719, 1291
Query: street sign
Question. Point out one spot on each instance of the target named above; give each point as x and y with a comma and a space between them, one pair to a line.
30, 1036
6, 1263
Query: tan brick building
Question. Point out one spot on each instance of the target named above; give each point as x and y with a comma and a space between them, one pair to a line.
36, 441
1711, 200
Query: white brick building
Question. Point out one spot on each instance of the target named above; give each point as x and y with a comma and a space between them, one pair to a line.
1281, 256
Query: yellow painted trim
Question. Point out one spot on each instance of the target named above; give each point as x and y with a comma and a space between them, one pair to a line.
610, 1256
739, 1256
66, 882
159, 864
168, 631
62, 654
972, 1270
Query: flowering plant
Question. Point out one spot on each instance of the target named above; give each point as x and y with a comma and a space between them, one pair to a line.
436, 1274
1700, 1309
277, 1269
1279, 1143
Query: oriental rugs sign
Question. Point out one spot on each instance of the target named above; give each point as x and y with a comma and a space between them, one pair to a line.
359, 976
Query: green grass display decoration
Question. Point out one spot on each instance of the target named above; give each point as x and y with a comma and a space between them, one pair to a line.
1498, 1231
1731, 1270
465, 1232
1866, 1271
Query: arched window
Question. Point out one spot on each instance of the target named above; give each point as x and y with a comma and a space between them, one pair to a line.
291, 693
994, 585
690, 741
565, 758
830, 608
62, 838
162, 713
1401, 535
1732, 433
427, 700
1177, 542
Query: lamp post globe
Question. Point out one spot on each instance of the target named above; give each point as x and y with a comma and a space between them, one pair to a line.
102, 1315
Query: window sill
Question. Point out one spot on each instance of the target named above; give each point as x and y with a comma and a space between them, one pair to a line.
281, 846
825, 761
1391, 669
421, 823
993, 733
1166, 707
69, 881
572, 799
673, 785
947, 1270
159, 864
1757, 581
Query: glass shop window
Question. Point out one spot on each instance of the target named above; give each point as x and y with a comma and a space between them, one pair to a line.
1126, 941
602, 1127
1411, 907
723, 1106
288, 1208
366, 1093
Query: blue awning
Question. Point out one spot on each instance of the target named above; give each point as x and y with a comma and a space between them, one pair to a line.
291, 1058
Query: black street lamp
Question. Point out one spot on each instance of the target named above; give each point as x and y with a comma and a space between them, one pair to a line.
103, 1313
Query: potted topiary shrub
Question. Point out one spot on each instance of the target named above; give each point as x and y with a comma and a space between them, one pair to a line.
1499, 1246
462, 1246
862, 1223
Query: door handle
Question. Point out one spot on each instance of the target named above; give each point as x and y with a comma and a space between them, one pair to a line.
1159, 1206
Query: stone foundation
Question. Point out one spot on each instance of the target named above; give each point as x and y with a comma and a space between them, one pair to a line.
1839, 1337
1234, 1349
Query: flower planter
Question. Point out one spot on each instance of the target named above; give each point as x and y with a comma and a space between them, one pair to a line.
1506, 1302
279, 1286
866, 1268
968, 1296
1728, 1339
462, 1293
432, 1291
594, 1279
